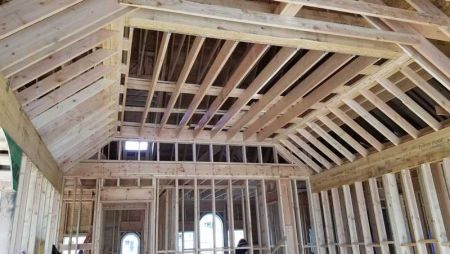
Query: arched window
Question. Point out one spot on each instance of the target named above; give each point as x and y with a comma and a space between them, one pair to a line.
206, 232
130, 244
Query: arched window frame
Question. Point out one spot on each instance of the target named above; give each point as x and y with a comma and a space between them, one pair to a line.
218, 228
130, 234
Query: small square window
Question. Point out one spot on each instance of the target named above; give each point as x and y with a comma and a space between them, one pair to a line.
219, 153
185, 152
236, 154
267, 154
202, 152
166, 152
251, 152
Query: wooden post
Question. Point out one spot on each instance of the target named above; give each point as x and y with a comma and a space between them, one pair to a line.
287, 208
341, 236
378, 215
364, 219
396, 218
329, 232
413, 211
351, 219
300, 237
433, 208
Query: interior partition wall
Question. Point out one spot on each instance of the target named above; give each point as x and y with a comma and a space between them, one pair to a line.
402, 212
36, 212
187, 214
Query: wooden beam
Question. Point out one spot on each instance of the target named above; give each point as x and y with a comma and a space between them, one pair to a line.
432, 206
298, 70
357, 128
81, 131
189, 62
410, 103
310, 150
277, 62
81, 141
71, 102
378, 217
41, 105
426, 87
287, 9
71, 128
332, 141
375, 10
301, 155
392, 114
339, 222
186, 135
78, 155
413, 211
245, 66
130, 169
59, 58
288, 156
49, 31
313, 80
222, 57
315, 142
344, 135
225, 30
343, 76
42, 53
57, 79
155, 75
363, 217
429, 148
17, 124
273, 20
351, 220
19, 14
73, 117
127, 49
366, 115
397, 221
163, 86
387, 69
425, 48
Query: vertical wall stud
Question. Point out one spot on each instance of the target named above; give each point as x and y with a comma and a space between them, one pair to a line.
396, 218
433, 208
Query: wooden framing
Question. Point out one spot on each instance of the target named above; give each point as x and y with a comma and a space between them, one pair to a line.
331, 56
36, 212
352, 94
86, 169
231, 14
216, 67
156, 72
431, 147
193, 52
29, 140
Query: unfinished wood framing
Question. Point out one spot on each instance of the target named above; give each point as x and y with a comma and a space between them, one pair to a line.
290, 126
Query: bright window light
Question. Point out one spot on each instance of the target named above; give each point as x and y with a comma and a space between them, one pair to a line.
135, 146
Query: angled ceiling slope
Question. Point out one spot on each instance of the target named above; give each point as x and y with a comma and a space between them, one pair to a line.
327, 82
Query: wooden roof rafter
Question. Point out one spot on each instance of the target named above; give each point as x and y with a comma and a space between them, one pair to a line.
273, 20
58, 77
344, 99
156, 72
308, 81
213, 72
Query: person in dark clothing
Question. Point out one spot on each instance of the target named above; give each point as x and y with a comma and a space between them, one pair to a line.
55, 250
242, 243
